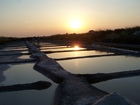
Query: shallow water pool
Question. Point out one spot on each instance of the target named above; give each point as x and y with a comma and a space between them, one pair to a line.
20, 74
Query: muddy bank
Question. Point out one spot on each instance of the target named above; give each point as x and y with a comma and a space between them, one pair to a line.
70, 86
125, 46
77, 91
40, 85
4, 66
72, 89
100, 77
4, 58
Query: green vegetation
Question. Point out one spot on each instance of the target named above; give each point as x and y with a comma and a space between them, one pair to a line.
123, 35
4, 40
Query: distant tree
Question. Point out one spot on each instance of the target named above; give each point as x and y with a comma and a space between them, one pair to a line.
91, 31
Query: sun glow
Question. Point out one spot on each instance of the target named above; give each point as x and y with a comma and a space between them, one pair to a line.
76, 47
75, 24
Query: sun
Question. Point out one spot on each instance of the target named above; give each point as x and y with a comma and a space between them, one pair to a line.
75, 24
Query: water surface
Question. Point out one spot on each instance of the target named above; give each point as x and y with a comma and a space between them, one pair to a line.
128, 87
20, 74
101, 64
24, 73
76, 54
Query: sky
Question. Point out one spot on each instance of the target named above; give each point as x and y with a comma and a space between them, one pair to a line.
19, 18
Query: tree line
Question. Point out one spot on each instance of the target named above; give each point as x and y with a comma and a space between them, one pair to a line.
122, 35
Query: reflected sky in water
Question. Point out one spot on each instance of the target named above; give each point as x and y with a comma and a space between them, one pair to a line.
129, 87
24, 73
16, 48
61, 48
19, 74
75, 54
101, 64
25, 57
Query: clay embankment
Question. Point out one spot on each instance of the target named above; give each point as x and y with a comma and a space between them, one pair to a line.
70, 86
4, 58
124, 49
72, 89
10, 54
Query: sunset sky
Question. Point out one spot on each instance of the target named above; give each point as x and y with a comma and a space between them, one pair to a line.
47, 17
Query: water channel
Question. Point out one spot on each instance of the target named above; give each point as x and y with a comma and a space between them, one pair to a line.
24, 73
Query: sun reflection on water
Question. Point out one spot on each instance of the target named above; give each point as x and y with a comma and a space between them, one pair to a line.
76, 47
